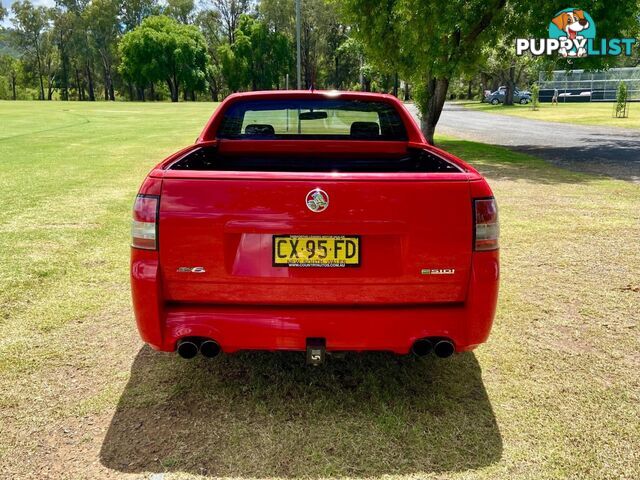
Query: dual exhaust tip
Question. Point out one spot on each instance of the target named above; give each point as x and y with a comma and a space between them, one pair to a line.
189, 347
442, 347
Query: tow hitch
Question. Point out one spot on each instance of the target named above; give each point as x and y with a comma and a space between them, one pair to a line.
316, 349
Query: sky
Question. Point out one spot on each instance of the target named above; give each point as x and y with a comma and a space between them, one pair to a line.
7, 4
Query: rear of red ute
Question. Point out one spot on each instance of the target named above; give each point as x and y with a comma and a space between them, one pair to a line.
318, 222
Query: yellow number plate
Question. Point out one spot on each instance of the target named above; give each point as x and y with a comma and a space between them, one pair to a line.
316, 251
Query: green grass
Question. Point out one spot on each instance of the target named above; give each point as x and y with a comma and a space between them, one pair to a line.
595, 113
553, 394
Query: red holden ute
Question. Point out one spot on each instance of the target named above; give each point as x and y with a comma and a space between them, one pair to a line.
317, 222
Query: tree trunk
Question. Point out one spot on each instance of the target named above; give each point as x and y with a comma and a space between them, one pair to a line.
41, 94
64, 90
13, 86
511, 82
396, 84
407, 97
79, 89
193, 95
152, 92
213, 90
92, 93
173, 89
431, 106
469, 94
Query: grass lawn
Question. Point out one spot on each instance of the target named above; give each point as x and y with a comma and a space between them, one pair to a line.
596, 113
553, 394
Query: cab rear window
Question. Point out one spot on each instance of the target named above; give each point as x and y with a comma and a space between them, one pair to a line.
312, 119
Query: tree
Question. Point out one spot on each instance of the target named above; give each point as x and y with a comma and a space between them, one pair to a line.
209, 23
230, 12
62, 36
133, 12
432, 41
50, 62
161, 49
258, 58
10, 67
30, 25
103, 29
181, 10
500, 64
80, 48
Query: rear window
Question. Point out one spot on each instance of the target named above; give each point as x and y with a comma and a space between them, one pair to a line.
312, 119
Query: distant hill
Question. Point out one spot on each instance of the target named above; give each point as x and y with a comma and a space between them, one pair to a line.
5, 45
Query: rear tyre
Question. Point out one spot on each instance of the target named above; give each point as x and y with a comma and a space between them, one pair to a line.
495, 101
523, 101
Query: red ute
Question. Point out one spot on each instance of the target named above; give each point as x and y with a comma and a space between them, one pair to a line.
317, 221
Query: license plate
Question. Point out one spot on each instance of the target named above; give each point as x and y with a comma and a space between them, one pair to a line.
316, 250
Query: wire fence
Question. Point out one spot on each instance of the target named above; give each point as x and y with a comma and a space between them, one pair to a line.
581, 86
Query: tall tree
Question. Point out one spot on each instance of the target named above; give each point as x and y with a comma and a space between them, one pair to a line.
30, 25
324, 63
181, 10
230, 12
432, 41
209, 23
133, 12
50, 62
103, 29
9, 67
80, 48
161, 49
258, 58
62, 35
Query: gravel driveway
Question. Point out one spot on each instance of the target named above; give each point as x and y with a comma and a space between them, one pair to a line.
601, 150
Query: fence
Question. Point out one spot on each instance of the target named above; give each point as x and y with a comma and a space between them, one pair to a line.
581, 86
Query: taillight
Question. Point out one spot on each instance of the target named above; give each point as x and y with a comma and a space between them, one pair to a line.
487, 227
144, 227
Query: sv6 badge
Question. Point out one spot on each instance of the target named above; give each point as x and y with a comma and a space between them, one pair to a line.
191, 269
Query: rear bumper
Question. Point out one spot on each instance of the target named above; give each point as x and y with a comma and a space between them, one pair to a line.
244, 327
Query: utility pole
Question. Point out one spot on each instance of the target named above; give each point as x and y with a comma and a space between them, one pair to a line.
298, 61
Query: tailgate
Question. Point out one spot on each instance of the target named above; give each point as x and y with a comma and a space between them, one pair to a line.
216, 240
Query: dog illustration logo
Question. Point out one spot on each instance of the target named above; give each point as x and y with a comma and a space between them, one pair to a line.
573, 25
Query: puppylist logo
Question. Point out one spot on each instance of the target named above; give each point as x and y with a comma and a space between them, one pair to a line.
572, 34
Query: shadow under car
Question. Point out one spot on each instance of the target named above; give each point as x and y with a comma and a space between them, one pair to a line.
262, 414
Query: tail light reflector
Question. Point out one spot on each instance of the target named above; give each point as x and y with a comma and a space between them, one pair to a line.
487, 228
144, 227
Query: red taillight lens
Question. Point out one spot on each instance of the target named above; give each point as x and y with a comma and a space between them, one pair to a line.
144, 230
486, 224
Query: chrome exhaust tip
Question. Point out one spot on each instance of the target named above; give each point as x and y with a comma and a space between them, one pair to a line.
422, 347
444, 348
209, 348
187, 349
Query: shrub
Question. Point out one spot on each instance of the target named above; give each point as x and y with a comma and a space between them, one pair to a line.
621, 100
535, 96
